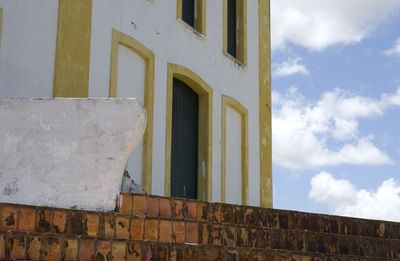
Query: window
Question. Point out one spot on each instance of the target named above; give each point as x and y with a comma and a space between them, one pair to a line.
235, 29
193, 13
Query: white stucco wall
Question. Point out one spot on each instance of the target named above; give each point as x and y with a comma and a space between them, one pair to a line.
27, 51
67, 152
27, 56
172, 41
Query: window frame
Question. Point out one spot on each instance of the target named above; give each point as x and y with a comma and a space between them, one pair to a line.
199, 19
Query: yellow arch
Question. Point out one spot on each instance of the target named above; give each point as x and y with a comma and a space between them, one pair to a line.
205, 93
119, 38
239, 108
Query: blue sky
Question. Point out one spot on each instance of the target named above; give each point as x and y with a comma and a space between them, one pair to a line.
336, 106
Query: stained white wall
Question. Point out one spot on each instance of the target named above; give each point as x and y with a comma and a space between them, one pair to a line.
27, 51
131, 83
233, 157
27, 56
172, 41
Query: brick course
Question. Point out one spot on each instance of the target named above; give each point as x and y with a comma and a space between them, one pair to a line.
158, 228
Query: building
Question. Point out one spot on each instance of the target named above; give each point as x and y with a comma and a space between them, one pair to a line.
202, 69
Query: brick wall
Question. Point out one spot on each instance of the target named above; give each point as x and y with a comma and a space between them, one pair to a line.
159, 228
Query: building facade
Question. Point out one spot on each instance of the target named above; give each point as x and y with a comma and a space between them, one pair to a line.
201, 68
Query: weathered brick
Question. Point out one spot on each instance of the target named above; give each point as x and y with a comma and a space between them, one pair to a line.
215, 212
178, 231
71, 249
86, 250
242, 236
9, 218
59, 223
76, 224
229, 236
103, 250
151, 229
227, 213
190, 210
165, 208
192, 232
122, 227
134, 251
137, 228
16, 246
205, 232
51, 249
177, 208
43, 220
2, 247
217, 234
139, 205
165, 231
33, 248
91, 224
125, 203
109, 226
27, 219
162, 253
202, 211
152, 206
118, 251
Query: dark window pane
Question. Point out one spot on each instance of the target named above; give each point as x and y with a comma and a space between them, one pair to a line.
184, 147
188, 11
232, 28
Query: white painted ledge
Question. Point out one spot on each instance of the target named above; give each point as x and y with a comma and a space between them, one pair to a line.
67, 152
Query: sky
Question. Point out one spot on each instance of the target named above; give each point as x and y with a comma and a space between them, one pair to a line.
336, 107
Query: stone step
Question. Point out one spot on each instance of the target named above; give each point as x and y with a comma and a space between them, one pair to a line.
157, 206
24, 246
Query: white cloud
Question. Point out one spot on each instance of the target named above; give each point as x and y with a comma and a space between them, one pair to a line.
302, 130
316, 24
346, 200
395, 50
289, 67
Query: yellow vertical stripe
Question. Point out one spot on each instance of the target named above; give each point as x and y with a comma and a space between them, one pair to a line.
1, 22
71, 71
265, 104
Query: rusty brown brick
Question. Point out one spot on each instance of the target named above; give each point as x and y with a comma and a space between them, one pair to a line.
109, 226
151, 229
178, 231
16, 246
217, 234
165, 231
165, 207
103, 250
134, 251
118, 251
229, 236
121, 227
76, 224
205, 232
27, 218
202, 211
43, 220
137, 228
242, 233
91, 224
139, 205
227, 213
190, 253
148, 252
125, 203
190, 210
59, 223
152, 207
51, 249
192, 232
177, 208
9, 217
239, 214
2, 247
86, 250
162, 253
215, 212
33, 248
70, 249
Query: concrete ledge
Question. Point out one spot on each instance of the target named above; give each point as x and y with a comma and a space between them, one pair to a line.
67, 152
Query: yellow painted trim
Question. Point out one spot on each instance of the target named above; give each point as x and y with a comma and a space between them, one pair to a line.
1, 22
241, 30
200, 18
205, 93
265, 104
71, 71
118, 39
239, 108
